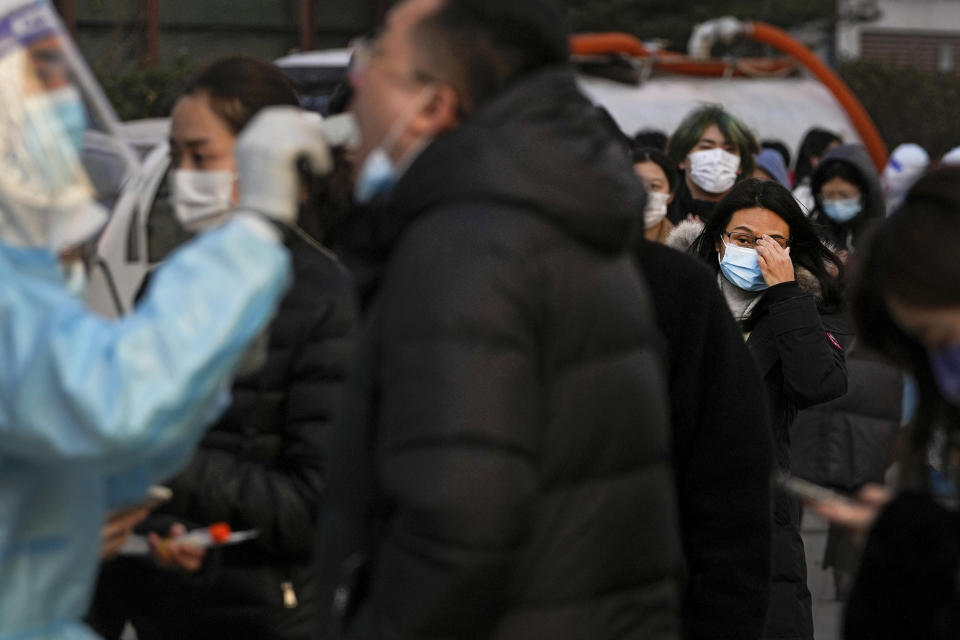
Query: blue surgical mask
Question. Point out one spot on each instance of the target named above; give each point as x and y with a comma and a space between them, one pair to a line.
62, 109
378, 175
946, 371
742, 268
841, 211
70, 111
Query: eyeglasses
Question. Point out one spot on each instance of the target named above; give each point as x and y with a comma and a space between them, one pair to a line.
749, 240
367, 55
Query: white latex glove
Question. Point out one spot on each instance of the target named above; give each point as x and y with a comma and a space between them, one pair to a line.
268, 150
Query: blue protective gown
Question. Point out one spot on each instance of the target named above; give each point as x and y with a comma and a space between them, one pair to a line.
92, 410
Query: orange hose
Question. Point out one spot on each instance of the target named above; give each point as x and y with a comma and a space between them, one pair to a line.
775, 37
596, 44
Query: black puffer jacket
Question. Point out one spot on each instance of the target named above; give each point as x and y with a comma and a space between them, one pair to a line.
503, 467
261, 467
802, 365
849, 442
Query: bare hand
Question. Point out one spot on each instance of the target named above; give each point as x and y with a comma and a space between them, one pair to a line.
857, 516
175, 556
775, 263
117, 529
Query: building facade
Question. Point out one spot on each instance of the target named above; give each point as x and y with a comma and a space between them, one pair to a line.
924, 34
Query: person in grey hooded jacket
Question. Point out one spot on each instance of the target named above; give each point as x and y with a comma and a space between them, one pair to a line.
848, 196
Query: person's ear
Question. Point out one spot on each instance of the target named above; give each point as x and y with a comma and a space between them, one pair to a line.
440, 113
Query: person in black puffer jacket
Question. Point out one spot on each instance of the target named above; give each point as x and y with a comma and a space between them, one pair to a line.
502, 469
261, 465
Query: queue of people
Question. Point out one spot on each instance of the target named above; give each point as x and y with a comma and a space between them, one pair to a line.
490, 398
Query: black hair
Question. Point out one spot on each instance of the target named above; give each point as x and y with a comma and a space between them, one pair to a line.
838, 168
660, 158
240, 86
814, 145
695, 123
901, 261
837, 233
806, 248
481, 46
779, 147
650, 138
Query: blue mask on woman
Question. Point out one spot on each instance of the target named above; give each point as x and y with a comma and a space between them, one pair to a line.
841, 211
742, 268
946, 371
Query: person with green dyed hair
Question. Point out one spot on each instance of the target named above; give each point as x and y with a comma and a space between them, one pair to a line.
714, 150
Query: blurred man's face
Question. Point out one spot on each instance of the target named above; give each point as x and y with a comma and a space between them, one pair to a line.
386, 82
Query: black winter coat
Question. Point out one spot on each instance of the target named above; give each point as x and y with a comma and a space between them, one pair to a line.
802, 365
502, 470
848, 442
907, 585
684, 204
260, 466
722, 451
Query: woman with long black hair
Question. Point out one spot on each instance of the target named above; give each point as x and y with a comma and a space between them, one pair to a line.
777, 278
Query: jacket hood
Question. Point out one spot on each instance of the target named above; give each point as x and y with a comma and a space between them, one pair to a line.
539, 146
858, 158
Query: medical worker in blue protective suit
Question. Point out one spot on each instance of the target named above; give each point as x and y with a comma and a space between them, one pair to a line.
92, 410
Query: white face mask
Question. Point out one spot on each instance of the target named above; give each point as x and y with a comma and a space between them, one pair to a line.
713, 170
201, 199
656, 209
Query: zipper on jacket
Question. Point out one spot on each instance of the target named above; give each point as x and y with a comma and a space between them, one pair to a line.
289, 595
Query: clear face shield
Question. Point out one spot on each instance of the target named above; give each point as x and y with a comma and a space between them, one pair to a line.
46, 197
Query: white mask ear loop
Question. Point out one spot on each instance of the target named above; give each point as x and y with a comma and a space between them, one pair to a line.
390, 140
400, 125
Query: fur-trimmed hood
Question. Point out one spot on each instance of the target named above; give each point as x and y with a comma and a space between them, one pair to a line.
684, 235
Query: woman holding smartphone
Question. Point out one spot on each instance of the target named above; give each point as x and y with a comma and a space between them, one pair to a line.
906, 305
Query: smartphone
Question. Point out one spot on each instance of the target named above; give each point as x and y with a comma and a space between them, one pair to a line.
156, 496
806, 490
